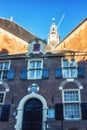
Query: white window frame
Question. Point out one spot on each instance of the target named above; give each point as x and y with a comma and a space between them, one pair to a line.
2, 92
72, 102
69, 68
2, 70
36, 60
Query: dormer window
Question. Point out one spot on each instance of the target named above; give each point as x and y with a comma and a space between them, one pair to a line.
37, 46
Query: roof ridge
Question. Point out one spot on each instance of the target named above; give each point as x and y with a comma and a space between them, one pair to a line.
17, 29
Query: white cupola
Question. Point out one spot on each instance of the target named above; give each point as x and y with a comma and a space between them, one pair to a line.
53, 36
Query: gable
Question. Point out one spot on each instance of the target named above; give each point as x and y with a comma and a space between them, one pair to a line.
37, 46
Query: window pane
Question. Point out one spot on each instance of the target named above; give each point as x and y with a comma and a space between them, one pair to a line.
65, 63
38, 74
31, 74
72, 111
71, 96
72, 62
73, 72
38, 64
65, 73
35, 70
69, 68
4, 75
6, 65
32, 64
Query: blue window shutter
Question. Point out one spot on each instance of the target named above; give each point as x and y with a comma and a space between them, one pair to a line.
10, 74
58, 72
45, 73
81, 71
84, 111
59, 111
24, 74
5, 112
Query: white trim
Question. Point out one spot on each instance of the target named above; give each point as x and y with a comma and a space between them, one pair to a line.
71, 90
2, 69
80, 87
20, 108
70, 80
3, 61
35, 59
77, 82
68, 66
1, 81
60, 88
67, 102
6, 86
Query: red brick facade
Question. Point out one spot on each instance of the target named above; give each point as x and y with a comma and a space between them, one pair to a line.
51, 89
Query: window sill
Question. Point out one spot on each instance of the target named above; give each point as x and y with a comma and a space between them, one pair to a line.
72, 119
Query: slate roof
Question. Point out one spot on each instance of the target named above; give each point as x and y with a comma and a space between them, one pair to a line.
16, 29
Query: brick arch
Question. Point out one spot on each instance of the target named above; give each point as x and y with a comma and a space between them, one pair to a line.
63, 83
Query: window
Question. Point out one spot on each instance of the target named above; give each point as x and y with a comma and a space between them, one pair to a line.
4, 67
69, 68
35, 69
2, 97
71, 100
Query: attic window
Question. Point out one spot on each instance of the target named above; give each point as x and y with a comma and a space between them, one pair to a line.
36, 47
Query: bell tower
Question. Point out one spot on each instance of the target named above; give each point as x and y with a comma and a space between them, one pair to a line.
53, 37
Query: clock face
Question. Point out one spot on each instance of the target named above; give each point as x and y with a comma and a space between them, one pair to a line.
36, 47
53, 38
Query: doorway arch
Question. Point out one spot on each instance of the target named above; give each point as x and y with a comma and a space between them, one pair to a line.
24, 102
32, 115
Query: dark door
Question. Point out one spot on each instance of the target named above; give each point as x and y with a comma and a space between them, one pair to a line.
32, 117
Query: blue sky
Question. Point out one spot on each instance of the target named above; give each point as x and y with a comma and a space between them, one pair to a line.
36, 15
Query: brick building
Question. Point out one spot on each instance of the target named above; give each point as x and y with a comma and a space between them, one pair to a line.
43, 86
